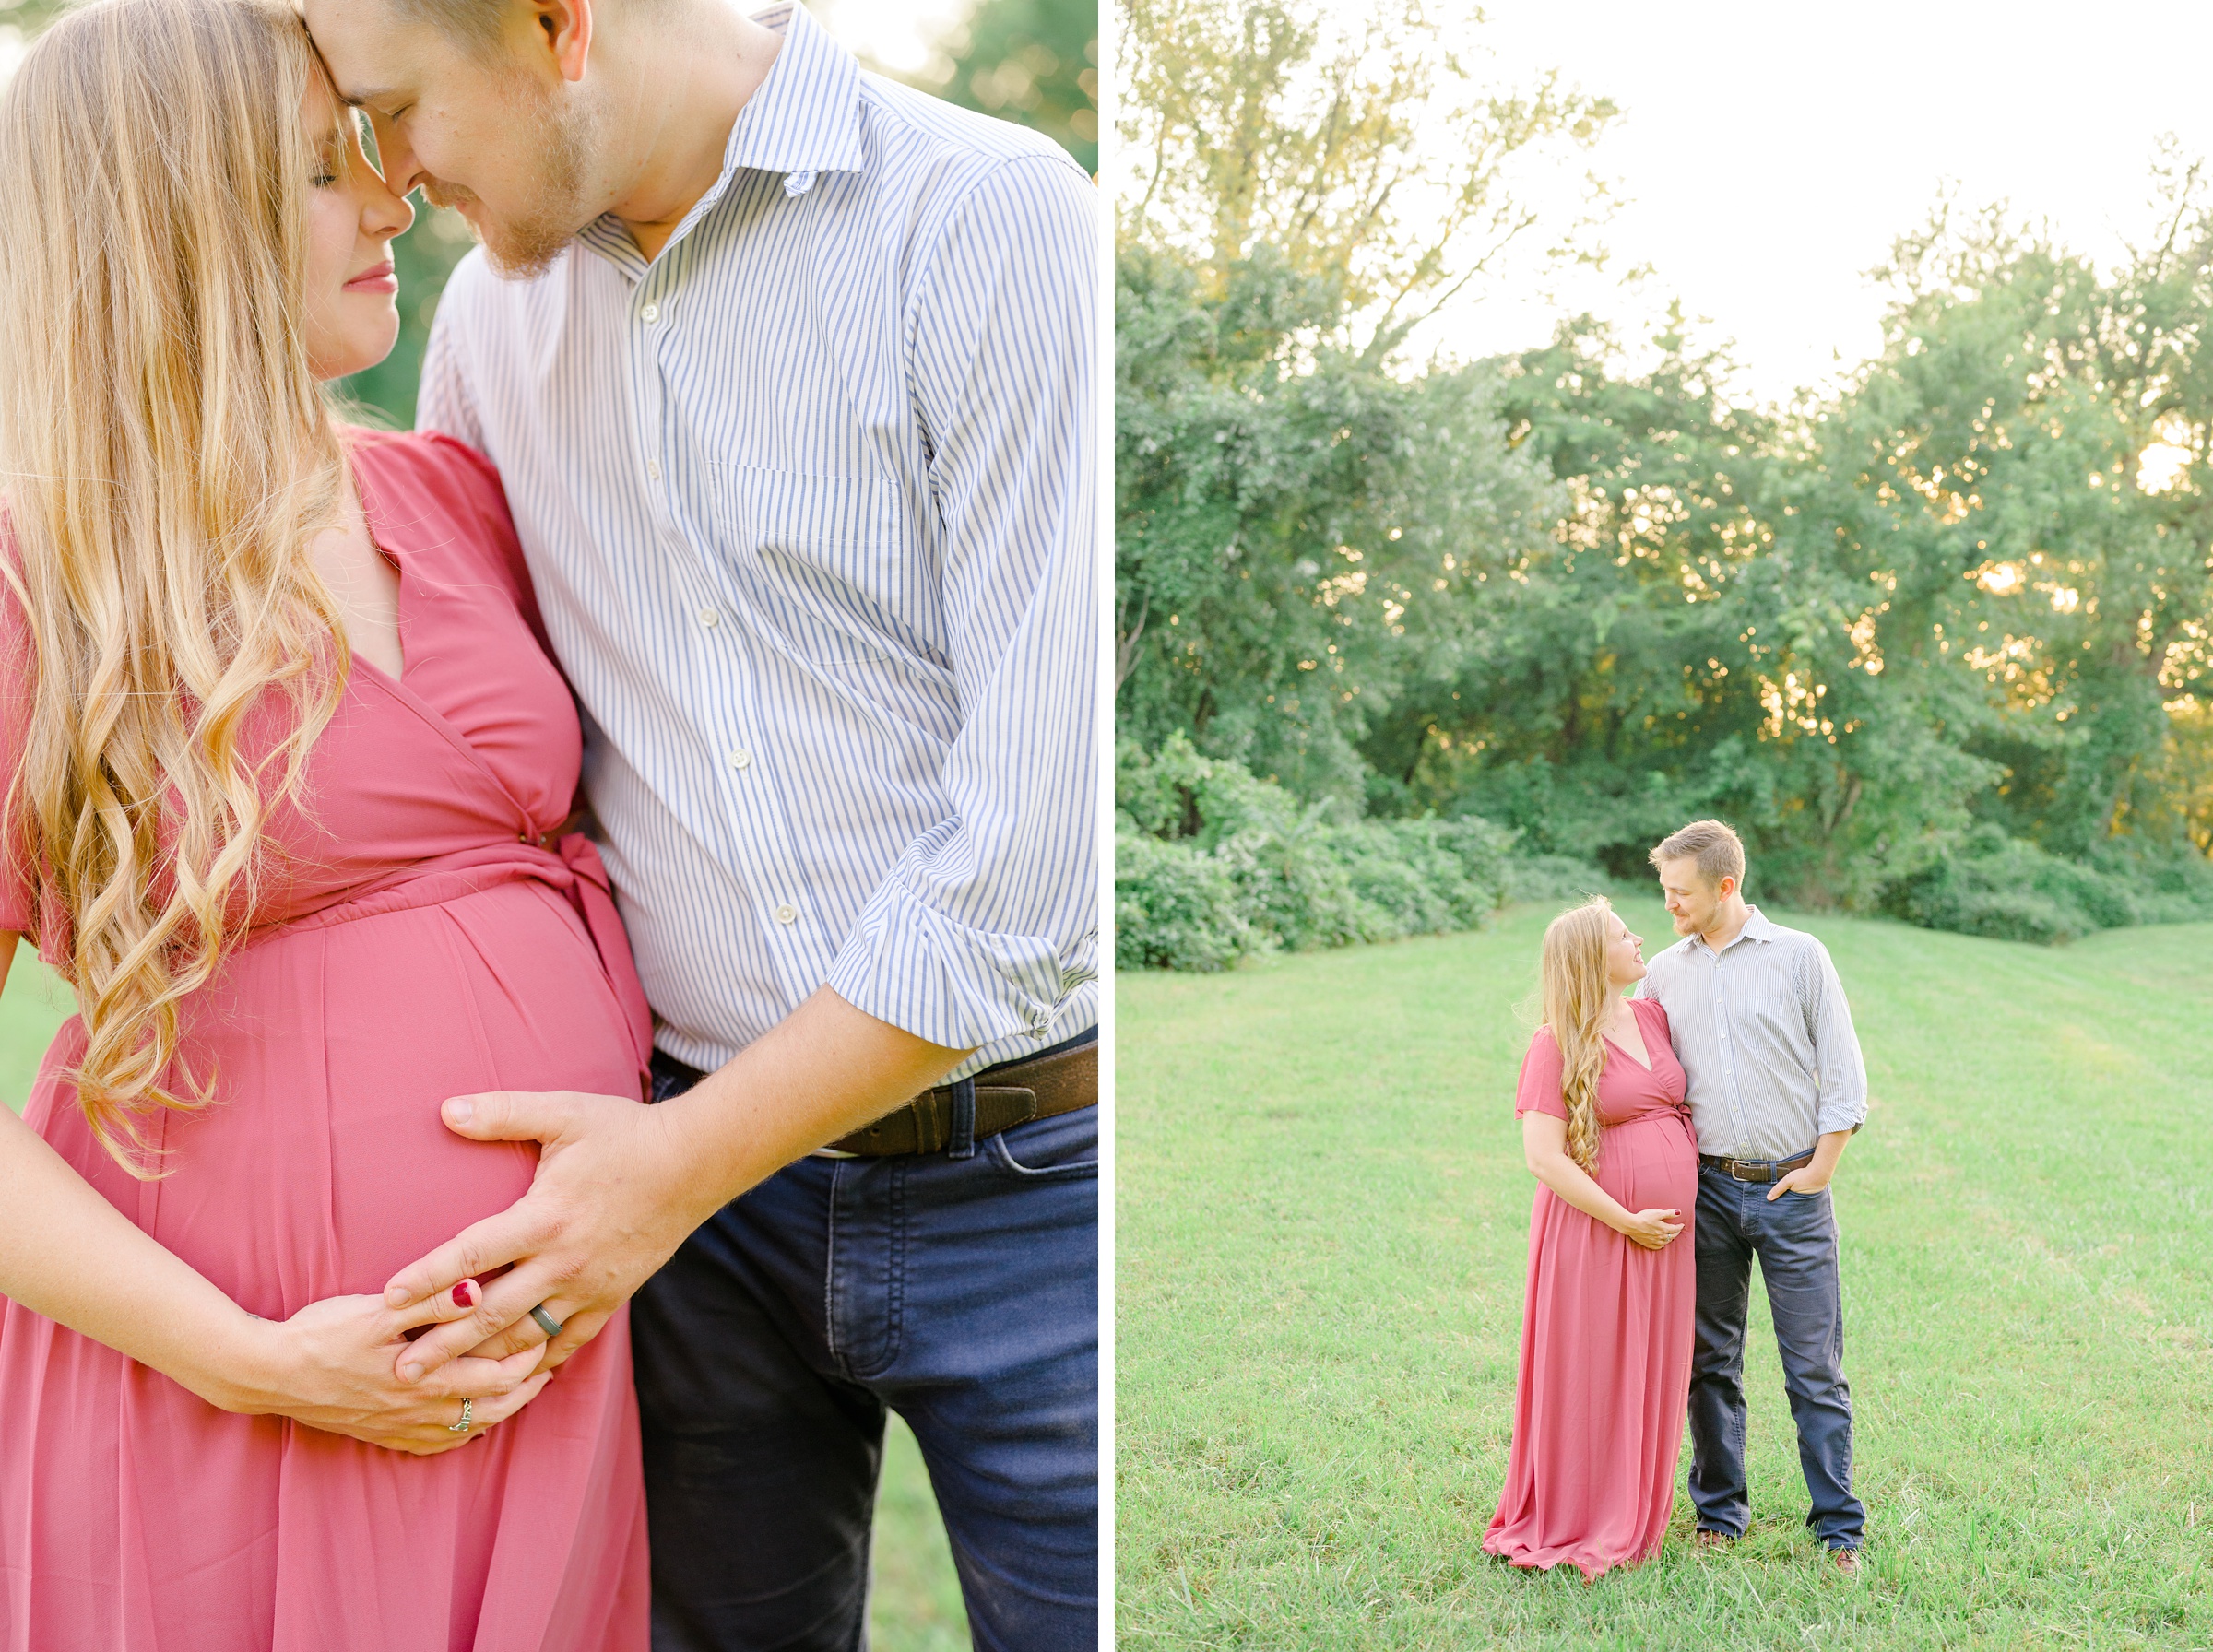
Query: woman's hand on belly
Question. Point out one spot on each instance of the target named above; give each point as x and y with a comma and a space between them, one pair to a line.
332, 1366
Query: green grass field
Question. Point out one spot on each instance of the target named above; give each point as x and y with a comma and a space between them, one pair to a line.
914, 1605
1322, 1230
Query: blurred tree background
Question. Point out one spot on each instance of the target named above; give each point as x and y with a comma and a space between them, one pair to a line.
1938, 644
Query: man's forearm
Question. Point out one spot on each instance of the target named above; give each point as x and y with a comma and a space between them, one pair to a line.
823, 1072
1827, 1150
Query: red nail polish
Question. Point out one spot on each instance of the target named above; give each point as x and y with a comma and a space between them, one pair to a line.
466, 1294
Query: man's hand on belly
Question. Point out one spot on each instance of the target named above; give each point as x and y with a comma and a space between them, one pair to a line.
620, 1185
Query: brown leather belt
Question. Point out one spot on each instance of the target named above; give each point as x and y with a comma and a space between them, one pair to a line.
1014, 1093
1758, 1170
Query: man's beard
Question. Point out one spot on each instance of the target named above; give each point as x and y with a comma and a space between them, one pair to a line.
525, 244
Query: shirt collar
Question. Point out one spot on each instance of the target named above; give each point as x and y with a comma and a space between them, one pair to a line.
802, 119
1756, 927
805, 116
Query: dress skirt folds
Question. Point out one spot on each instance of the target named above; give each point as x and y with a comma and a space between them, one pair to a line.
424, 931
1606, 1326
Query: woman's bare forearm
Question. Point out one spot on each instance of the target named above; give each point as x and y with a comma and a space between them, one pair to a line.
68, 1254
1574, 1184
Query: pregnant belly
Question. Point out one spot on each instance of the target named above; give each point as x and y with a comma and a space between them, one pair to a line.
1650, 1163
323, 1166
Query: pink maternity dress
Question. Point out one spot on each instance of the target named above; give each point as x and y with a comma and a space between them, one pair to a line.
1606, 1325
422, 934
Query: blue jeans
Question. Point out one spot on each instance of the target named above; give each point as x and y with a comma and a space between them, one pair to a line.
962, 1293
1795, 1239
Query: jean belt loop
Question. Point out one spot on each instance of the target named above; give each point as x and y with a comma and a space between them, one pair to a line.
961, 1144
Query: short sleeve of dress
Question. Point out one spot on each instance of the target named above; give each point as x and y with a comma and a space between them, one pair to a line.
1539, 1089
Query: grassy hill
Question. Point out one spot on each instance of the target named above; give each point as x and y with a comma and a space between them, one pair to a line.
1323, 1231
915, 1604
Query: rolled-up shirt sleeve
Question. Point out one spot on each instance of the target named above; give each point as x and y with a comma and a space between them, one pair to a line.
1842, 1074
989, 921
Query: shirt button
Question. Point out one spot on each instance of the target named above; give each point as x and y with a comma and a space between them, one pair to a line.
653, 469
709, 618
651, 314
740, 758
798, 183
787, 914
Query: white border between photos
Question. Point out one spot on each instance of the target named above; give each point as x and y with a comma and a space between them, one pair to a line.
1110, 181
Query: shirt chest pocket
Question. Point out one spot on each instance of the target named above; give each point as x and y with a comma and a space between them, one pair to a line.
824, 559
1774, 1018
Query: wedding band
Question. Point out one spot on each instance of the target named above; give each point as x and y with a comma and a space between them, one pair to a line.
546, 1322
467, 1406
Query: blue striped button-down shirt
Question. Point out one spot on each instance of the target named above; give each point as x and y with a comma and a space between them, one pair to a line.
808, 499
1765, 1037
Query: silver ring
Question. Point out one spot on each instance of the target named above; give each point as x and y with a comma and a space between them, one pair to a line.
546, 1322
467, 1406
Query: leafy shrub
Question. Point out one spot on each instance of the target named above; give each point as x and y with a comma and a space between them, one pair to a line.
1175, 908
1553, 879
1997, 886
1213, 864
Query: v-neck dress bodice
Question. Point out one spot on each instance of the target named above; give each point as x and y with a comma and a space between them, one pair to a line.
424, 929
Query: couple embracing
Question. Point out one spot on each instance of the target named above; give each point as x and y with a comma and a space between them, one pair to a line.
1678, 1133
583, 918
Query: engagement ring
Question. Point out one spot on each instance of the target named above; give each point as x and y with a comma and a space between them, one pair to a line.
467, 1406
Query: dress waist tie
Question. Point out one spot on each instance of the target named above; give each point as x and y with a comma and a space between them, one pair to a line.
570, 867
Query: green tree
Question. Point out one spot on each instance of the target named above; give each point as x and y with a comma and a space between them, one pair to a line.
1297, 533
1301, 516
1366, 153
1974, 587
1681, 646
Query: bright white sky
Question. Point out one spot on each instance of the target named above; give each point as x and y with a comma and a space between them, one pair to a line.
894, 33
1770, 152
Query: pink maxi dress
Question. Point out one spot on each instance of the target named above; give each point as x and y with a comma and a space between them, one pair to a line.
422, 934
1606, 1325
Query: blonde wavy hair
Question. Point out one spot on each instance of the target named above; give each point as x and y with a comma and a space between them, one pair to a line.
166, 458
1572, 976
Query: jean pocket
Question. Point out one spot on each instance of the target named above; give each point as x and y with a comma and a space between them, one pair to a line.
1061, 1149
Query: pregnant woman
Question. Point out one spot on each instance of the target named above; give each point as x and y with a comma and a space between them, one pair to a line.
289, 769
1606, 1325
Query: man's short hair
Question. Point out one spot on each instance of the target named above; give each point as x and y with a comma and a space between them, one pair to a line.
473, 25
1719, 850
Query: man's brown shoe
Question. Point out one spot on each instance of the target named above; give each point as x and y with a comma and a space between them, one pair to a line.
1713, 1539
1846, 1560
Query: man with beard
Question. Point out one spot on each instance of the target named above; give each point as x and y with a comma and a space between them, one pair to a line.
788, 373
1777, 1087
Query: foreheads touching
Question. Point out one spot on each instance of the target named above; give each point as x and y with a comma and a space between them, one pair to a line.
480, 103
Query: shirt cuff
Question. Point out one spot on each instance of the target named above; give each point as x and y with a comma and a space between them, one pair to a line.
909, 964
1832, 1117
